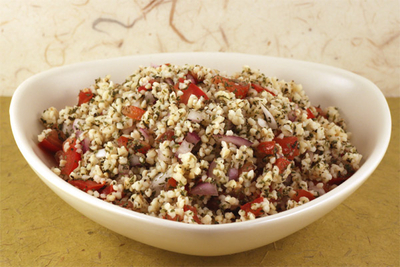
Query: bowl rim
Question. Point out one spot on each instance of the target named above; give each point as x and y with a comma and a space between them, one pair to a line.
366, 169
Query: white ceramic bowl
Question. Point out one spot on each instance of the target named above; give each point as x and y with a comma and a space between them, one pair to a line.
359, 100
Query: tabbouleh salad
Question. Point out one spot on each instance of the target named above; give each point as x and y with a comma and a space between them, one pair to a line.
191, 144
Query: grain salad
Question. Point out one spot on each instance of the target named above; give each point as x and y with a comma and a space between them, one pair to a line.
193, 144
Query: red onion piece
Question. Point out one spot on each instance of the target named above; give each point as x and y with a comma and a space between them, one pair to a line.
262, 123
229, 125
236, 140
67, 129
185, 147
77, 123
310, 155
312, 186
233, 174
292, 115
192, 138
205, 189
211, 168
195, 116
134, 160
169, 81
85, 144
128, 131
270, 119
191, 78
78, 133
158, 182
145, 133
149, 98
188, 143
161, 156
123, 169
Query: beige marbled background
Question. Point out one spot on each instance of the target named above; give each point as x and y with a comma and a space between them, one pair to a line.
360, 36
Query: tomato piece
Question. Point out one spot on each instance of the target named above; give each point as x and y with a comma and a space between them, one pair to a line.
176, 86
267, 148
302, 193
133, 112
52, 142
86, 185
72, 161
71, 156
141, 146
125, 203
310, 115
177, 218
282, 164
194, 210
192, 89
143, 87
123, 141
107, 190
247, 207
238, 88
259, 88
290, 146
136, 145
340, 179
337, 181
84, 96
168, 135
171, 184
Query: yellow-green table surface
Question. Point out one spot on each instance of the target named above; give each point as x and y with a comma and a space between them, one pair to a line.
40, 229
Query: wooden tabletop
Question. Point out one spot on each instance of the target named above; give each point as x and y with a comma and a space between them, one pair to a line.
40, 229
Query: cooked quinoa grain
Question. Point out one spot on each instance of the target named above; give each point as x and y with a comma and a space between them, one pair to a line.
189, 144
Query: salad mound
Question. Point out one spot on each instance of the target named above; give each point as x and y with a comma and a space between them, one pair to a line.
192, 144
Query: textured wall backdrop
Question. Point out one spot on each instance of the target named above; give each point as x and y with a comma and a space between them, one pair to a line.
360, 36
